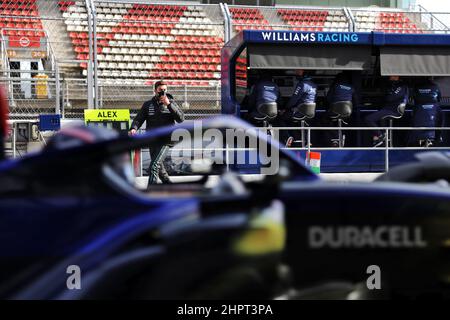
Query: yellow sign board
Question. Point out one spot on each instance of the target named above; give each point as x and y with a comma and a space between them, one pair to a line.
100, 115
41, 86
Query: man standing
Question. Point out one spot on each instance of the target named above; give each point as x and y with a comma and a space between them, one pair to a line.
397, 94
161, 110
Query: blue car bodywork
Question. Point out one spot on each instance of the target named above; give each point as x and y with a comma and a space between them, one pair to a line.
66, 207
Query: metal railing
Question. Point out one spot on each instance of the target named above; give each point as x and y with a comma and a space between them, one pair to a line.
433, 20
337, 19
418, 20
387, 148
388, 134
30, 96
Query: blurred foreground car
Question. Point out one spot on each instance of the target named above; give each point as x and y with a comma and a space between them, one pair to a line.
278, 233
76, 205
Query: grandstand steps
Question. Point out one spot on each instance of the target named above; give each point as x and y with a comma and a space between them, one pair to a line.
68, 74
56, 31
70, 71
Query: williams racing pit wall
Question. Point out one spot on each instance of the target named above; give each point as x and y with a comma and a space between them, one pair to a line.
368, 62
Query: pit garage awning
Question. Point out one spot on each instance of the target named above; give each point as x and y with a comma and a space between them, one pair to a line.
415, 61
318, 57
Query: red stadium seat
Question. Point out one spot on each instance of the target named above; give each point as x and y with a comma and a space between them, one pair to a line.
184, 67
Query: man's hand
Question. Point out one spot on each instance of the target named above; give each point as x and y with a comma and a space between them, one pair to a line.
164, 100
132, 132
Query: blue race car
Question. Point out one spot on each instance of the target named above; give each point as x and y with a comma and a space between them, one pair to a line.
281, 232
75, 205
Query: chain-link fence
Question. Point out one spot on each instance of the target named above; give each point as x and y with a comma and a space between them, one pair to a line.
399, 21
289, 18
433, 21
196, 101
31, 93
108, 53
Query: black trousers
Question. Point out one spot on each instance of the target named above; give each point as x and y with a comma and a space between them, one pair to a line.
156, 168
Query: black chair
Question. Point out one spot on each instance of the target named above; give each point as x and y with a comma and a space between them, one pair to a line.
339, 111
300, 114
265, 113
401, 111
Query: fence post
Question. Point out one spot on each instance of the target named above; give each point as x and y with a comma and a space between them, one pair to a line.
58, 91
218, 98
386, 153
13, 143
309, 139
67, 98
228, 23
100, 97
226, 32
89, 64
94, 54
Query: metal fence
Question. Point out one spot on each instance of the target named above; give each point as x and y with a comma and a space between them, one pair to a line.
29, 97
80, 74
415, 20
315, 18
182, 156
